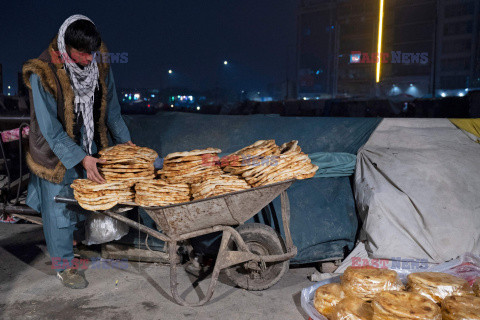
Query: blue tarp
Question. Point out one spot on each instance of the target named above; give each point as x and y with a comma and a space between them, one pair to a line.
323, 218
333, 164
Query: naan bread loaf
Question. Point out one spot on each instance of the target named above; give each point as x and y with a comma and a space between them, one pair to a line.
153, 193
94, 196
327, 297
476, 287
127, 163
352, 308
437, 285
364, 283
401, 305
461, 308
264, 163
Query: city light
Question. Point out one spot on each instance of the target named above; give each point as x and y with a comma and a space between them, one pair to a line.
126, 95
379, 47
443, 94
198, 108
461, 94
136, 96
9, 87
171, 106
170, 71
153, 96
225, 62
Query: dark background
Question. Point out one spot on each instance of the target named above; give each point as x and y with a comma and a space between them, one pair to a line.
193, 38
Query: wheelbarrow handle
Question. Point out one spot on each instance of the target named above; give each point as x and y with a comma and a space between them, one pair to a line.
65, 200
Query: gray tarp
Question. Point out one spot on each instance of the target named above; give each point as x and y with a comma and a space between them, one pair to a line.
417, 188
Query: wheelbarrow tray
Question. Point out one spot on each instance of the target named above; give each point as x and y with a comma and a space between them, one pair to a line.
227, 209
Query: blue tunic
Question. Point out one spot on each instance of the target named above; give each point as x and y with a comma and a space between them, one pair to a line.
58, 219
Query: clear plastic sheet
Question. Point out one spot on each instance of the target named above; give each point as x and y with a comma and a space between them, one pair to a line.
440, 292
464, 308
466, 266
476, 287
100, 228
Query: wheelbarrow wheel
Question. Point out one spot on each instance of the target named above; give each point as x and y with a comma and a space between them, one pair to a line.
261, 240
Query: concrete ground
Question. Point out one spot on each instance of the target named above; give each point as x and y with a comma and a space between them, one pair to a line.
29, 289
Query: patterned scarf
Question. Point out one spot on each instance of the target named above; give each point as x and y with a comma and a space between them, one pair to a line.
83, 81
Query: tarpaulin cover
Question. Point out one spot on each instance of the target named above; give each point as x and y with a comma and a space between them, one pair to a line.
322, 210
417, 188
333, 164
469, 125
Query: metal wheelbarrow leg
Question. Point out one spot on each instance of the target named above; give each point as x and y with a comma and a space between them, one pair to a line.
225, 258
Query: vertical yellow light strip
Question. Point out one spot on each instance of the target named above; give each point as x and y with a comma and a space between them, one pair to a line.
379, 47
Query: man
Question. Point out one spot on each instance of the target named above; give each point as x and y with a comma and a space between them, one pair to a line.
73, 104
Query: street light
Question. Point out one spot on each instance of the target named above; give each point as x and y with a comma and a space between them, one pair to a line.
225, 62
170, 71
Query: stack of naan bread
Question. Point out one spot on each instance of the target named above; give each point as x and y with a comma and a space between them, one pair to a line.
378, 294
437, 286
260, 154
264, 163
160, 193
191, 166
124, 162
193, 174
219, 185
93, 196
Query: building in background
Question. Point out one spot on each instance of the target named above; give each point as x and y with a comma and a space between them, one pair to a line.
316, 48
357, 32
458, 49
427, 46
409, 29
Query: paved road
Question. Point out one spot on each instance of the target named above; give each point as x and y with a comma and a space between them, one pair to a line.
29, 290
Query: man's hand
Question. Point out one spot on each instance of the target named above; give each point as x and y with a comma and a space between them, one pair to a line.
90, 164
130, 143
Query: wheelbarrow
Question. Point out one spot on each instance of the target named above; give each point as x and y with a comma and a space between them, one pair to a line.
254, 256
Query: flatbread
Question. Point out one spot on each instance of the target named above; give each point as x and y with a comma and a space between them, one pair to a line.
461, 308
127, 170
195, 152
127, 174
104, 206
364, 283
89, 185
476, 287
327, 297
352, 308
437, 285
187, 159
290, 147
130, 179
404, 305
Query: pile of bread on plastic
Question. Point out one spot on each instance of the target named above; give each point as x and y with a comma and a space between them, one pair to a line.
189, 175
378, 294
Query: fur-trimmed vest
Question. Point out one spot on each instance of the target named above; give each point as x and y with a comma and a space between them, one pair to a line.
49, 68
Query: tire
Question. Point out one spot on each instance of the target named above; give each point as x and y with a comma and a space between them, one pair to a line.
262, 240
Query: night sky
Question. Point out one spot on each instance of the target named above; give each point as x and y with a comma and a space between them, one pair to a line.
192, 38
